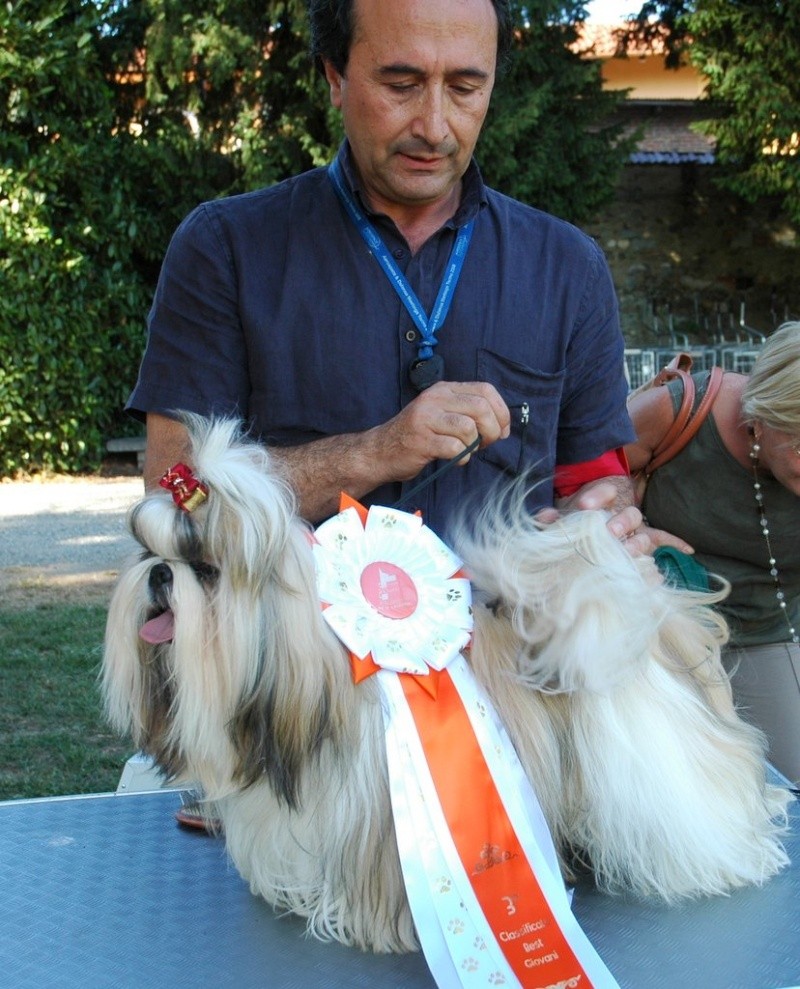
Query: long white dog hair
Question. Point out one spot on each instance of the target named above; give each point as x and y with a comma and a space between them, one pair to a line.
608, 681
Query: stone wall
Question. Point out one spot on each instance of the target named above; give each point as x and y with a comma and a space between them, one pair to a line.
692, 259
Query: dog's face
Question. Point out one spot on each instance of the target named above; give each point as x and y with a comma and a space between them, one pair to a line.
160, 639
214, 632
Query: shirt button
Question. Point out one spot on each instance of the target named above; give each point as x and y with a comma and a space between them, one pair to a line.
399, 253
411, 335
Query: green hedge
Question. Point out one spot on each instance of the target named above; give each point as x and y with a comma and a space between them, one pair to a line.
71, 333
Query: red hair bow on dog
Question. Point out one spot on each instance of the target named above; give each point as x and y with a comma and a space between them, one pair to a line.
187, 491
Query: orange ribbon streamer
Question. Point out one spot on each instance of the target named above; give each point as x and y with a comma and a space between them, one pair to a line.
504, 883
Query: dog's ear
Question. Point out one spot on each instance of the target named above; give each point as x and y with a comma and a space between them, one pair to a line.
270, 745
293, 702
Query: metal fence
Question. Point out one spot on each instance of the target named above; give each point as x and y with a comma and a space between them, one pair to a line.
642, 363
734, 344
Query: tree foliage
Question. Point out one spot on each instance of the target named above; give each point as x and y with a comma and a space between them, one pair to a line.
548, 140
71, 300
118, 116
749, 51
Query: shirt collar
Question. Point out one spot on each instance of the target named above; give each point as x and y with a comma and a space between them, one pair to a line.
473, 190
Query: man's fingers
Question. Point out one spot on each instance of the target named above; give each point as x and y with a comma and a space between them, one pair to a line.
439, 424
594, 497
624, 524
644, 540
476, 400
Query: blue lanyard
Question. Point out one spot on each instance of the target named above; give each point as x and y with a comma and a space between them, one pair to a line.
427, 326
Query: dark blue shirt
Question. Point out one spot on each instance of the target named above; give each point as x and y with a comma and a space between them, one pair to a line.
270, 308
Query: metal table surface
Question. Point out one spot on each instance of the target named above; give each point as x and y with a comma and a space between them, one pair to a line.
107, 891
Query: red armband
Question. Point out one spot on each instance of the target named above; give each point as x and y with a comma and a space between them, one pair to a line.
569, 478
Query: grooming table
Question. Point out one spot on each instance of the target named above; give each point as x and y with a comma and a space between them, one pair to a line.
108, 892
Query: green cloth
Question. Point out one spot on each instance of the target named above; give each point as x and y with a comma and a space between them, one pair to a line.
681, 569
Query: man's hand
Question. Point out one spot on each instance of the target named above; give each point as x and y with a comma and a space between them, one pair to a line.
615, 494
438, 425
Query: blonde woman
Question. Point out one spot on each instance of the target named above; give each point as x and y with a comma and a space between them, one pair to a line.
734, 494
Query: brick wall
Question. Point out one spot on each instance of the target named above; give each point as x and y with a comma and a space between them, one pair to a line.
678, 245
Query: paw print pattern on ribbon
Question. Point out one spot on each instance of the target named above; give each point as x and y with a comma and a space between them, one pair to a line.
456, 926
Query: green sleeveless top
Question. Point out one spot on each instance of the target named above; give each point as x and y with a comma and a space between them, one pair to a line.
705, 496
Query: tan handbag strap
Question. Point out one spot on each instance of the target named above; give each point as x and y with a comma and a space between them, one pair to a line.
680, 362
686, 424
682, 417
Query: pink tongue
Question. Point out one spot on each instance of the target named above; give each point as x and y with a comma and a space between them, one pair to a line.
158, 629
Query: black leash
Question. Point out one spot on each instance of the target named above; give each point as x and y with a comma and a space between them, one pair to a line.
466, 452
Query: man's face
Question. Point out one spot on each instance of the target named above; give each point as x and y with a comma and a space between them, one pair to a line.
414, 95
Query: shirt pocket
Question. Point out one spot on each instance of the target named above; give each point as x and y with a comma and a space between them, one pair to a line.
533, 398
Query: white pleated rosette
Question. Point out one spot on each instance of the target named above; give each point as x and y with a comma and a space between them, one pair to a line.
390, 590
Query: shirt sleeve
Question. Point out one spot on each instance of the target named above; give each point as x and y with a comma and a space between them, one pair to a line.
594, 417
195, 359
572, 477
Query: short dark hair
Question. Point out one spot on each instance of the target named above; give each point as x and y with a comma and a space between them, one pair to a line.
332, 31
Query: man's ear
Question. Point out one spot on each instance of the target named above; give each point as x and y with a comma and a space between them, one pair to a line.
335, 80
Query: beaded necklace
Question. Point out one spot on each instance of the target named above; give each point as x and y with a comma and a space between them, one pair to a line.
755, 449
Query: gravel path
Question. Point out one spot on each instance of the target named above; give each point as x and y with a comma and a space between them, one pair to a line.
64, 531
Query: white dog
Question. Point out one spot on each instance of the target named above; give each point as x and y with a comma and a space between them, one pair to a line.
608, 682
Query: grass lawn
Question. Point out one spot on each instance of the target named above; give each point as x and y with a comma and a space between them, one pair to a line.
54, 736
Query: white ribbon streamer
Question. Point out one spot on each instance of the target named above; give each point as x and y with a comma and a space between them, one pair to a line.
456, 939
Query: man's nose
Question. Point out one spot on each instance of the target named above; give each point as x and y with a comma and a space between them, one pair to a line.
431, 122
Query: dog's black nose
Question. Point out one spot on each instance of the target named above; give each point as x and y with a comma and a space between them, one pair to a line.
160, 576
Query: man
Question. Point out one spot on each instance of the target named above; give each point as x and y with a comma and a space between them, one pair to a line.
304, 308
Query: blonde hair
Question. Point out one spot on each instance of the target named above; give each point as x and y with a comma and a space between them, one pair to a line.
772, 392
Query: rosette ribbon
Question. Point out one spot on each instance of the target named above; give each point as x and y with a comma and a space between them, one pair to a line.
392, 591
480, 868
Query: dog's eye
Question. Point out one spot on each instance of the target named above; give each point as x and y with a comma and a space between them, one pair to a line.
205, 572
